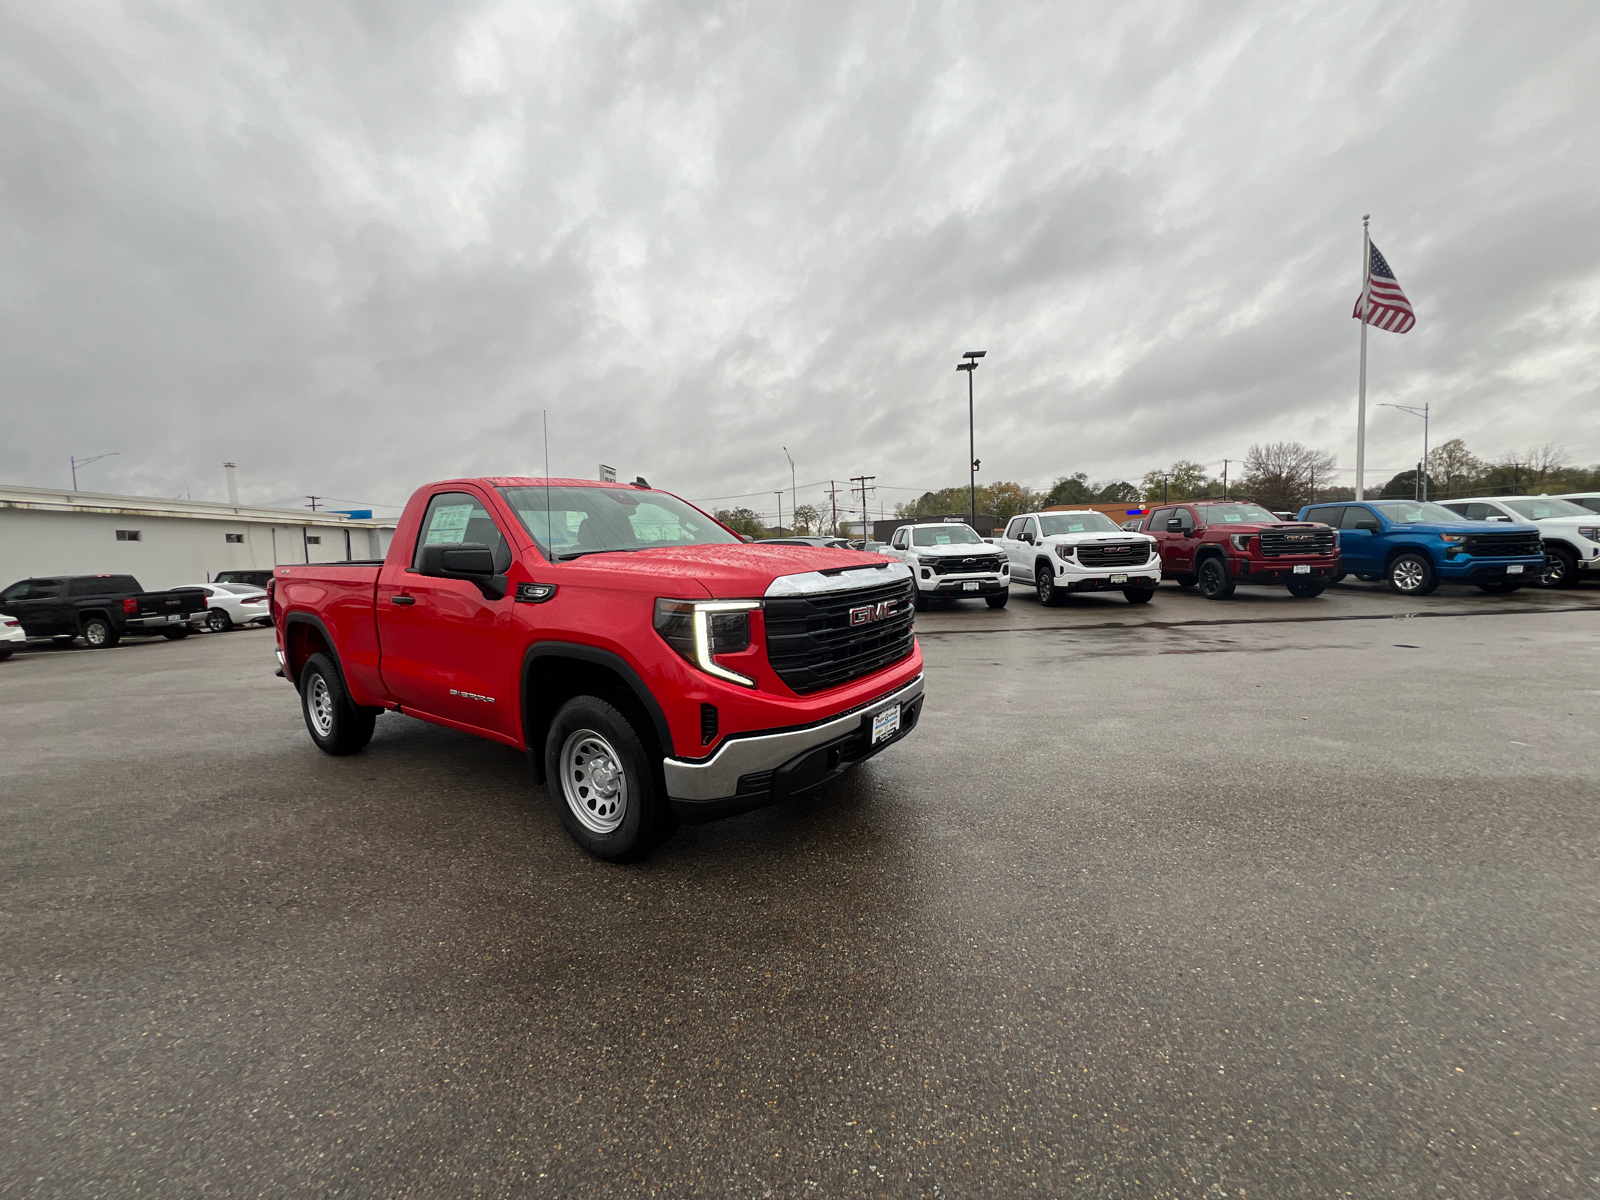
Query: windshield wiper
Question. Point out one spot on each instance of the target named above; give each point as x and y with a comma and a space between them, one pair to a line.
608, 550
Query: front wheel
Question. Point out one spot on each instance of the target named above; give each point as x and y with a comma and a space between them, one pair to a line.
337, 725
1214, 583
998, 601
1044, 582
1412, 575
1138, 595
98, 634
1306, 588
607, 788
919, 599
1560, 568
1368, 578
1499, 589
1337, 578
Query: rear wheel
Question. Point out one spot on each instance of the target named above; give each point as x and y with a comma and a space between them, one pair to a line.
336, 725
1560, 568
1138, 595
1044, 582
1214, 583
998, 601
1184, 581
607, 787
1412, 575
98, 634
1306, 588
218, 621
176, 635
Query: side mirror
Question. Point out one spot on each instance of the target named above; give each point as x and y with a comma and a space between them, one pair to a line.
472, 561
1174, 525
1369, 526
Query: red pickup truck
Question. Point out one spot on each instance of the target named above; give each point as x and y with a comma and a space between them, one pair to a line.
652, 665
1220, 544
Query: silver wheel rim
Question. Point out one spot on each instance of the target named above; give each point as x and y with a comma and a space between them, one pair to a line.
95, 634
215, 621
319, 706
1408, 575
1555, 569
593, 781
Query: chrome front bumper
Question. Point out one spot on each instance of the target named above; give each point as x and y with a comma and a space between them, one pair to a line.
718, 777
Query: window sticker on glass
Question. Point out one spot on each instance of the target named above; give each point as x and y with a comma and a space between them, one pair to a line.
449, 524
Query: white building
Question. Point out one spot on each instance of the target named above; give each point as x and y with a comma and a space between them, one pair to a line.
165, 543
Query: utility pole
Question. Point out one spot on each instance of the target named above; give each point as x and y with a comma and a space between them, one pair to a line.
1225, 463
313, 502
866, 516
833, 497
779, 495
970, 366
1165, 475
794, 503
1313, 499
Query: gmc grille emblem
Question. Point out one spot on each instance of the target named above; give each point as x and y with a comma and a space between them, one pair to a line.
1299, 537
868, 613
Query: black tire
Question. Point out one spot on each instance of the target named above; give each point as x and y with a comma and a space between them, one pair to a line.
1336, 579
1369, 578
1499, 589
1560, 568
63, 639
176, 635
919, 599
1044, 582
1307, 588
624, 812
100, 634
999, 601
1411, 574
6, 652
218, 621
1138, 595
1185, 581
336, 725
1213, 579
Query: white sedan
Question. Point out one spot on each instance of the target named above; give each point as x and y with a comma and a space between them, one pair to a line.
12, 638
230, 604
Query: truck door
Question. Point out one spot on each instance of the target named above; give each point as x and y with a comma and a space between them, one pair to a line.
900, 543
1178, 550
446, 649
1360, 550
40, 604
1013, 545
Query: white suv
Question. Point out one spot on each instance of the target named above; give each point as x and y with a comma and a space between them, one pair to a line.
948, 559
1086, 551
1571, 532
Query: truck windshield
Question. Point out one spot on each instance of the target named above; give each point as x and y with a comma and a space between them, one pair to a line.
952, 534
567, 522
1416, 512
1055, 524
1234, 514
1542, 508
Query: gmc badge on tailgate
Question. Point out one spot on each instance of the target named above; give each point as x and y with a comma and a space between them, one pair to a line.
868, 613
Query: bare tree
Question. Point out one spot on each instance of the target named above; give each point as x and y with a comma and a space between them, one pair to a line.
1453, 470
1280, 475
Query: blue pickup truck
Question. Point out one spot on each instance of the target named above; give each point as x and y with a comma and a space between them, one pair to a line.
1417, 546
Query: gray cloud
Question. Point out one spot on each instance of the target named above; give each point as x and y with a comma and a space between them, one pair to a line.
358, 247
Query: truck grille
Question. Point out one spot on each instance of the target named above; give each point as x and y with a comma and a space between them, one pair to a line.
1503, 545
971, 565
1275, 542
1114, 554
812, 644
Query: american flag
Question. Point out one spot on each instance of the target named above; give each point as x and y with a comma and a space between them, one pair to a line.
1389, 307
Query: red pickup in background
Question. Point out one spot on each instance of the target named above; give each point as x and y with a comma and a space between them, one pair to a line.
652, 665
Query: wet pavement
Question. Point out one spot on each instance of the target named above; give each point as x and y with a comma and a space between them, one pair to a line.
1187, 899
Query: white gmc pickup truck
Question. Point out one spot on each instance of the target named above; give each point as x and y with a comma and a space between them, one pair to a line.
949, 560
1064, 552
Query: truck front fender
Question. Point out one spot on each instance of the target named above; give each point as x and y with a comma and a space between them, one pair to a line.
553, 672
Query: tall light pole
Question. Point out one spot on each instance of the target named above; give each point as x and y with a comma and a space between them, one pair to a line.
84, 462
794, 504
779, 495
1422, 468
969, 366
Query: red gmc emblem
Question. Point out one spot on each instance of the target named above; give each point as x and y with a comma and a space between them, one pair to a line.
868, 613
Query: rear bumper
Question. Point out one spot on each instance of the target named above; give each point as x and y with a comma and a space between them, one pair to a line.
166, 621
767, 768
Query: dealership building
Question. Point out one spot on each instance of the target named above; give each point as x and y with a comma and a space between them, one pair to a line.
165, 543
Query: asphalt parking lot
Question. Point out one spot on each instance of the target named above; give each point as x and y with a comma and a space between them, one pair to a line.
1263, 898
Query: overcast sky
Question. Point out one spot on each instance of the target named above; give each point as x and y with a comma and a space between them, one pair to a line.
358, 247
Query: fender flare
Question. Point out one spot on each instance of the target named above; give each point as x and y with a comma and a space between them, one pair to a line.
600, 658
84, 615
304, 618
1395, 552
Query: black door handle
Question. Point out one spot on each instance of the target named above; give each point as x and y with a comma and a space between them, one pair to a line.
402, 599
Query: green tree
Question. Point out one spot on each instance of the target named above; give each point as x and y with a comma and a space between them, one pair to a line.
742, 520
1453, 470
1188, 482
1118, 491
1402, 487
807, 519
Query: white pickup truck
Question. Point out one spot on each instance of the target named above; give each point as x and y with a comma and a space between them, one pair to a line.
949, 560
1065, 552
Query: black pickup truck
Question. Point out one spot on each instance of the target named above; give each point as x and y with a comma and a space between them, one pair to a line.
99, 608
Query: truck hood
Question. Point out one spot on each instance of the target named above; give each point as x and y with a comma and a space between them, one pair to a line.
1467, 527
728, 572
1258, 526
1094, 539
968, 551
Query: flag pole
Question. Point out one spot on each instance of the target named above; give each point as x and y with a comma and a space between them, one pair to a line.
1361, 394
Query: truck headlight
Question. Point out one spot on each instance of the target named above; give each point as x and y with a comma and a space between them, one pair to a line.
699, 630
1064, 551
1592, 532
1452, 537
1241, 541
